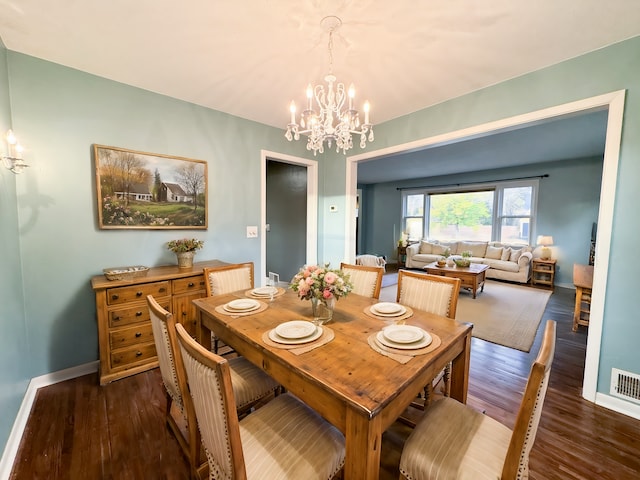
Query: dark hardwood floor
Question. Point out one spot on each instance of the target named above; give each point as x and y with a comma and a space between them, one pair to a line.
79, 430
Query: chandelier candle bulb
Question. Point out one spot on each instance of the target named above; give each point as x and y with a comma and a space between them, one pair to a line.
292, 108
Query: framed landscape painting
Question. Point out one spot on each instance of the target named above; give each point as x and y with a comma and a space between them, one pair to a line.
149, 190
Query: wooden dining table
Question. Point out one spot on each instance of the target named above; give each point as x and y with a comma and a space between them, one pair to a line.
357, 389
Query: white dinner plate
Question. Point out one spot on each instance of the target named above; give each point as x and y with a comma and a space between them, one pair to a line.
425, 342
295, 341
241, 305
295, 329
385, 309
264, 291
403, 333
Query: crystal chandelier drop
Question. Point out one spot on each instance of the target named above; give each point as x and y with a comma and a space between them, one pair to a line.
331, 123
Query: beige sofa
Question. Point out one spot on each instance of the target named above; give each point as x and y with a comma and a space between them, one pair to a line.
506, 261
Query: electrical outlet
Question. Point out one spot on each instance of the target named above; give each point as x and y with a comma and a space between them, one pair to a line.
252, 232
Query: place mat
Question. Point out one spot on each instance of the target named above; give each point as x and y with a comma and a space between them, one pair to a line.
404, 316
262, 308
298, 349
279, 292
403, 356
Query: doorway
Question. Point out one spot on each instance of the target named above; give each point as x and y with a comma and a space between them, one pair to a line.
614, 102
289, 214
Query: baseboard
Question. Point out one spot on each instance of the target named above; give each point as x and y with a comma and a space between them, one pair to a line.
13, 442
618, 405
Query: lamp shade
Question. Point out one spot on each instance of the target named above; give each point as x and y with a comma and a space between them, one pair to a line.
545, 241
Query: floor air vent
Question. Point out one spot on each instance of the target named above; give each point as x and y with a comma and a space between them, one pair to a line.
625, 385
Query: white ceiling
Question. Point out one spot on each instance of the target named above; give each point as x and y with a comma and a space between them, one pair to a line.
250, 58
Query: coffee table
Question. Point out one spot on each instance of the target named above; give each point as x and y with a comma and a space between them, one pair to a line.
471, 277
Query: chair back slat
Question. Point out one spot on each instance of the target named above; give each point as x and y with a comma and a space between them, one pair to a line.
366, 280
516, 465
228, 278
431, 293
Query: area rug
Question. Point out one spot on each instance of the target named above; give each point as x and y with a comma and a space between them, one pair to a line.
506, 314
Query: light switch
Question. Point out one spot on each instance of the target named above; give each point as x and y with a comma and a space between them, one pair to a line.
252, 232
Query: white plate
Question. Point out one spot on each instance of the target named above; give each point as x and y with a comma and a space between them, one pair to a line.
241, 305
264, 291
294, 341
403, 333
387, 308
425, 342
401, 311
295, 329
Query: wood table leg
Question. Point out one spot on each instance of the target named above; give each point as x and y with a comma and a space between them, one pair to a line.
363, 437
459, 384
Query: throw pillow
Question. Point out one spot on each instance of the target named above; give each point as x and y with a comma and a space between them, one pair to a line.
425, 247
494, 253
438, 249
515, 255
506, 254
477, 249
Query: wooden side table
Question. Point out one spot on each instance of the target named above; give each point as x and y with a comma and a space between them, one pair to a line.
583, 280
402, 256
543, 272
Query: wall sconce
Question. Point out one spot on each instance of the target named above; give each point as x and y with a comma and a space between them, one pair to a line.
13, 159
546, 241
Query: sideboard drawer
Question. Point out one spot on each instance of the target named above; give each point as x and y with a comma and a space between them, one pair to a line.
189, 284
135, 354
116, 296
125, 337
127, 316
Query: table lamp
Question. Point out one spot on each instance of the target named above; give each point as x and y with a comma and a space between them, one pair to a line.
546, 241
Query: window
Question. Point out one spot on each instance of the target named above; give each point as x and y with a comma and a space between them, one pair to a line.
414, 216
501, 211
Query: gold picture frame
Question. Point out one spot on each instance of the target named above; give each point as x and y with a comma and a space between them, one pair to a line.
140, 190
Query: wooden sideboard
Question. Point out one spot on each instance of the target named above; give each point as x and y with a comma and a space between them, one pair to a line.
125, 337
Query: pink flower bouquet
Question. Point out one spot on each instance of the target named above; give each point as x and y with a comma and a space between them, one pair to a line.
313, 281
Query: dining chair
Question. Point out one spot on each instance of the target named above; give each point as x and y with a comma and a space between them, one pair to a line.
227, 279
366, 280
434, 294
250, 384
453, 440
284, 439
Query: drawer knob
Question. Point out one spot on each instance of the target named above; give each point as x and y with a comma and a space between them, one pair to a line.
138, 294
114, 296
191, 284
115, 319
138, 353
162, 289
184, 314
138, 334
138, 314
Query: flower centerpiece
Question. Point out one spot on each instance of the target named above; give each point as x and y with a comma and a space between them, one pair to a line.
185, 249
465, 260
321, 284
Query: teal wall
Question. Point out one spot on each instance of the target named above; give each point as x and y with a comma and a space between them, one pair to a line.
14, 352
567, 207
52, 245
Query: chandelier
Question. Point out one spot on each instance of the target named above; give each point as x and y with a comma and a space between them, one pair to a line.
331, 123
